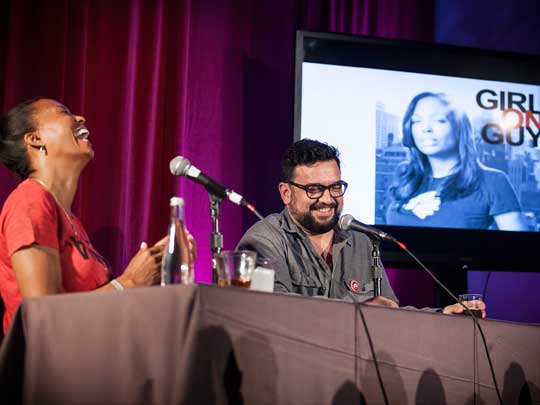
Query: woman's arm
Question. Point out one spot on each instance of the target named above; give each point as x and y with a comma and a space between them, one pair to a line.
511, 221
37, 270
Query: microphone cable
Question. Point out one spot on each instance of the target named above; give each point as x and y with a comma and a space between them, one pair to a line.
484, 290
358, 310
252, 208
438, 282
475, 320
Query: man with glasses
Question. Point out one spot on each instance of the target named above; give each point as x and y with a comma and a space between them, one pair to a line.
310, 255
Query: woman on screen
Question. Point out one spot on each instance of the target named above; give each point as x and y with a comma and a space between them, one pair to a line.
443, 184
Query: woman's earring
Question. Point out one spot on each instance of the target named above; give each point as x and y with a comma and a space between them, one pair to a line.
42, 149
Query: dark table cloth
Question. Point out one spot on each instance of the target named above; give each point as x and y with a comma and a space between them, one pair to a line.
204, 344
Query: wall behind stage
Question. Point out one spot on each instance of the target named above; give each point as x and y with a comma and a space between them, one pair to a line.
208, 79
211, 80
504, 26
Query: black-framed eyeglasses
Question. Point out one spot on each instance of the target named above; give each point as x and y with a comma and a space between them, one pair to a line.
316, 190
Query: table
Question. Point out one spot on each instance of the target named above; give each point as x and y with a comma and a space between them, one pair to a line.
210, 345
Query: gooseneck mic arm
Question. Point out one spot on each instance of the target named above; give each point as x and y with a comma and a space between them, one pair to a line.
180, 166
376, 267
216, 237
347, 222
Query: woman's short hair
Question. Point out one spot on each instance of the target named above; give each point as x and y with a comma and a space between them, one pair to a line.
14, 125
413, 174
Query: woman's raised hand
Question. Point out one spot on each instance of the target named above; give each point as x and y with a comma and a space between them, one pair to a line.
144, 268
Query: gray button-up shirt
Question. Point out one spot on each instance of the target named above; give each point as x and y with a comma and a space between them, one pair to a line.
300, 269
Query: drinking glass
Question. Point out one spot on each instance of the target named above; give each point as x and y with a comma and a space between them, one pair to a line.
473, 302
235, 267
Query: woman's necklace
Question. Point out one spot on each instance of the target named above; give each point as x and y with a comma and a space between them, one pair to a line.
67, 214
69, 217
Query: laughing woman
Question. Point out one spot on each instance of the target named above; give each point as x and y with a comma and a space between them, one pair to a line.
41, 241
443, 184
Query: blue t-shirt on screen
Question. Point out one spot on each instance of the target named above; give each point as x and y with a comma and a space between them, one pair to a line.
494, 196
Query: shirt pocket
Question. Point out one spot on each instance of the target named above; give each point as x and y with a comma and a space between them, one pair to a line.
365, 293
306, 284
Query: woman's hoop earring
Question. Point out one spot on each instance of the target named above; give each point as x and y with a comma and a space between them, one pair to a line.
42, 149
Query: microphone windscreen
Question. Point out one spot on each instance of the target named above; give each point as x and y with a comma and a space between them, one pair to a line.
179, 166
345, 222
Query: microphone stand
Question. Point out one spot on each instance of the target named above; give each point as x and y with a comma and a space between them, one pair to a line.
216, 238
376, 267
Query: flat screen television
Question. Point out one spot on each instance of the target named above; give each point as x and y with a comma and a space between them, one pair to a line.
440, 144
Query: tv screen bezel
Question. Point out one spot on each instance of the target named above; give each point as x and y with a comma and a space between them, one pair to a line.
446, 248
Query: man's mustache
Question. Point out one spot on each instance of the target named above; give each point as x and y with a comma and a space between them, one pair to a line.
317, 206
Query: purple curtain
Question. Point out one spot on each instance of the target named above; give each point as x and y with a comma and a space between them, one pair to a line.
210, 80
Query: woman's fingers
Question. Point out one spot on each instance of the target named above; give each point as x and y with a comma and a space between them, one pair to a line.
162, 241
192, 245
157, 250
154, 254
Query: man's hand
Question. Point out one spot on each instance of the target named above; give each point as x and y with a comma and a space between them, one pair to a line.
458, 309
424, 205
381, 301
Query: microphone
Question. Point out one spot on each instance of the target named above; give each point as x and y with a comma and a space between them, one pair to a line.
347, 222
180, 166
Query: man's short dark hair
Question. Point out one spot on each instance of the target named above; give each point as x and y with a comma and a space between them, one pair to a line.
306, 152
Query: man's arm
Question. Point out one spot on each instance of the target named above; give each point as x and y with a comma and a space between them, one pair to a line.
269, 244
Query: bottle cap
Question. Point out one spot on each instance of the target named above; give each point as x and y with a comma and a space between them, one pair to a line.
177, 201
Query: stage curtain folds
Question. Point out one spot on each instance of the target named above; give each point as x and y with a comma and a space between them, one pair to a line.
211, 80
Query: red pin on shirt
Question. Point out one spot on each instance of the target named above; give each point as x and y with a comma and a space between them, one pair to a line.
355, 287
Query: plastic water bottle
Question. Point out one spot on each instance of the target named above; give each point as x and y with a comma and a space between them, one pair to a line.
177, 264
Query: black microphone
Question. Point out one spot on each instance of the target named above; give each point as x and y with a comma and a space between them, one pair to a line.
347, 222
180, 166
